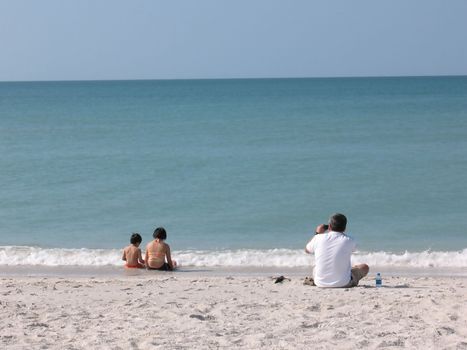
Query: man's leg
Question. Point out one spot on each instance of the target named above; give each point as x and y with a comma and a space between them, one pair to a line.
358, 272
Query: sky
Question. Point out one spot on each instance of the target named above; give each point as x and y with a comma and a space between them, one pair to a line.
153, 39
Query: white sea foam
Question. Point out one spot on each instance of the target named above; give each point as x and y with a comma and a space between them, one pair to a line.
21, 255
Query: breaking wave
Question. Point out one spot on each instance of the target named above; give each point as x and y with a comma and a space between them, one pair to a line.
22, 255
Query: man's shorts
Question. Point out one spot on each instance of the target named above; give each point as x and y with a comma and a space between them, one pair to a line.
356, 275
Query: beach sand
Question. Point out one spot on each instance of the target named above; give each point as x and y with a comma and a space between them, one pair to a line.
186, 311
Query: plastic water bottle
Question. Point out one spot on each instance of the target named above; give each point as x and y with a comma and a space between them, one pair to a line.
379, 280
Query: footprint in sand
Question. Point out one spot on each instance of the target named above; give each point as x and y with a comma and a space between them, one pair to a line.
445, 331
314, 307
398, 342
38, 324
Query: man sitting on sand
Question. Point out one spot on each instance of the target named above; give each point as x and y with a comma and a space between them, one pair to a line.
332, 251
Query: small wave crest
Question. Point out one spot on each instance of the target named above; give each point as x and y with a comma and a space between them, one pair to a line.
21, 255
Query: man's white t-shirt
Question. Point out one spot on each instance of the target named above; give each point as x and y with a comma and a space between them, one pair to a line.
332, 258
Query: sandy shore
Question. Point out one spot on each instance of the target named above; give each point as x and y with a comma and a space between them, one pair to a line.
177, 311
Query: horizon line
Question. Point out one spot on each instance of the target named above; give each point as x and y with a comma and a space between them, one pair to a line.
248, 78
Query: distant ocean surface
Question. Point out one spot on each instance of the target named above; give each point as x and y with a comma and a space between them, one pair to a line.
239, 172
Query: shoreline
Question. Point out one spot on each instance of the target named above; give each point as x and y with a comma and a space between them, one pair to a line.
121, 272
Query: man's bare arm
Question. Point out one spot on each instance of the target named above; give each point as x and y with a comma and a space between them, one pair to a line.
319, 229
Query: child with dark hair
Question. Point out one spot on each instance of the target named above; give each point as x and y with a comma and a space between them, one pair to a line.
158, 255
132, 253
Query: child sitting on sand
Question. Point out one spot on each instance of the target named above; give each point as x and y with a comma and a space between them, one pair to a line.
158, 255
132, 253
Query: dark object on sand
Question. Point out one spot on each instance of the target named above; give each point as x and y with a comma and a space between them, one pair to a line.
309, 281
279, 279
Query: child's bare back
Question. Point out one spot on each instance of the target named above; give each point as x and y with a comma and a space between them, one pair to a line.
132, 253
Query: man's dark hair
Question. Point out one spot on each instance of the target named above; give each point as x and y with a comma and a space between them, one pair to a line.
159, 233
338, 222
135, 238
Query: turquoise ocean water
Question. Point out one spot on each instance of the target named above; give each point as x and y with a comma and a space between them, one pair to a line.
233, 166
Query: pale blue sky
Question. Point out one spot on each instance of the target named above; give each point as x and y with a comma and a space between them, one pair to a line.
152, 39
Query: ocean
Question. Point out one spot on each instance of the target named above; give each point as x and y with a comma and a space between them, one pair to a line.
239, 172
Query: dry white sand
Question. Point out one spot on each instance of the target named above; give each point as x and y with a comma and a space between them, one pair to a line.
176, 311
